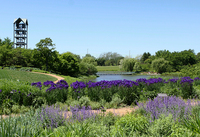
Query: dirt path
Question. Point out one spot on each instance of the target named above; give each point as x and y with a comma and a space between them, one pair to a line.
122, 111
58, 77
118, 111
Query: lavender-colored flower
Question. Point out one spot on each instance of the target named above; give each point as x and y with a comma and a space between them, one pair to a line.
38, 84
166, 105
83, 113
28, 94
0, 90
51, 116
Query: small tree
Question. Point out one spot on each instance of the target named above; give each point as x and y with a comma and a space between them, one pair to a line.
68, 64
44, 49
160, 65
137, 66
89, 60
127, 64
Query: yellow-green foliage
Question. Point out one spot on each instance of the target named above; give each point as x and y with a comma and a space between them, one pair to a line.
130, 123
108, 68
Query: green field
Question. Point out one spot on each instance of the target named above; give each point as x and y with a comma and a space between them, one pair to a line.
108, 68
24, 76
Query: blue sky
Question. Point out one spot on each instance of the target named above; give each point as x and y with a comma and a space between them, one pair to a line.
101, 26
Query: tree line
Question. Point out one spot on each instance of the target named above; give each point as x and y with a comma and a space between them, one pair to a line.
45, 57
162, 61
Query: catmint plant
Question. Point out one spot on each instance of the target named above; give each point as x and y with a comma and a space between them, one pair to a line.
82, 113
51, 117
167, 105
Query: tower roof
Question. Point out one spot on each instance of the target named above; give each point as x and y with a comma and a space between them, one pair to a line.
19, 20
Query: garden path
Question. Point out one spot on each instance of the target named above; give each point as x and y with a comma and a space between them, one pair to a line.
118, 111
58, 77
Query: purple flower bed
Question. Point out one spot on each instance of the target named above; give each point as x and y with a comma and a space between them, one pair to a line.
53, 117
167, 105
128, 91
82, 113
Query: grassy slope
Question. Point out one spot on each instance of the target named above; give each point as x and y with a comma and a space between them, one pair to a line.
108, 68
24, 76
70, 79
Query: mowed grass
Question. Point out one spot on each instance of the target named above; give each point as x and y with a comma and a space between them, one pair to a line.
24, 76
108, 68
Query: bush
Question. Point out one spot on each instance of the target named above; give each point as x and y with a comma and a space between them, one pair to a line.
162, 126
78, 90
50, 117
166, 126
81, 113
193, 123
74, 103
186, 87
56, 92
95, 105
161, 65
20, 92
167, 105
87, 69
127, 64
130, 123
116, 101
84, 101
15, 108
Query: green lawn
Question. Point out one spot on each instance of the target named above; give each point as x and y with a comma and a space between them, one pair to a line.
24, 76
108, 68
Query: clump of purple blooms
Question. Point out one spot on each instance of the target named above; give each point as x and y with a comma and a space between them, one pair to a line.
82, 113
37, 84
59, 85
78, 88
167, 105
51, 117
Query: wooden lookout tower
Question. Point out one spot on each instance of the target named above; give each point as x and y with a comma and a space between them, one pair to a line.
20, 27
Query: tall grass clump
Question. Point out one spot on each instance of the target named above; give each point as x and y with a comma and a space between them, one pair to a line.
193, 122
22, 126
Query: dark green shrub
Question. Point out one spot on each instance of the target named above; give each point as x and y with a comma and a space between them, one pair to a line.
129, 95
